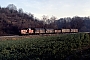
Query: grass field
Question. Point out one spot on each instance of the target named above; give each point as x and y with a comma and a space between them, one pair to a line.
57, 47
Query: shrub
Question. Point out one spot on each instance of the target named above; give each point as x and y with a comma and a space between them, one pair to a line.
43, 48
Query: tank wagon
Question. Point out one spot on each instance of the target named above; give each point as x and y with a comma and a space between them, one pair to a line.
65, 30
74, 30
57, 31
69, 30
39, 31
49, 31
46, 31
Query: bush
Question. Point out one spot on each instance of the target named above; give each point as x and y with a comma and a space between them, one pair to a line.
43, 48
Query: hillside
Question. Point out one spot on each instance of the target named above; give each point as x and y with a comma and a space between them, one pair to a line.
12, 20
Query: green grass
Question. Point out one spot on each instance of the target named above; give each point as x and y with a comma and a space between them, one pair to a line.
43, 48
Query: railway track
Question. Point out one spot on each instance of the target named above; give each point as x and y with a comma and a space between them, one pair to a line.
15, 37
26, 36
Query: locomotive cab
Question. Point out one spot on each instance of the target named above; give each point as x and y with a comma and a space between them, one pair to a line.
30, 31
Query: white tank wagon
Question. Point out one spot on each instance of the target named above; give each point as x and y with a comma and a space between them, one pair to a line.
49, 30
65, 30
42, 30
74, 30
39, 30
57, 31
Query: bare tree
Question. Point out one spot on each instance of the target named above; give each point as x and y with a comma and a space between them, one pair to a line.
77, 22
52, 21
44, 18
12, 7
53, 18
20, 10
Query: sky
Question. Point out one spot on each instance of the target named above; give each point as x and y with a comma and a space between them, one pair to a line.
57, 8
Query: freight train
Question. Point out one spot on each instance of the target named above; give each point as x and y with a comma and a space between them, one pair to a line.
29, 31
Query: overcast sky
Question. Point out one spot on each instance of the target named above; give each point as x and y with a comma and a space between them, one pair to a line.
58, 8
